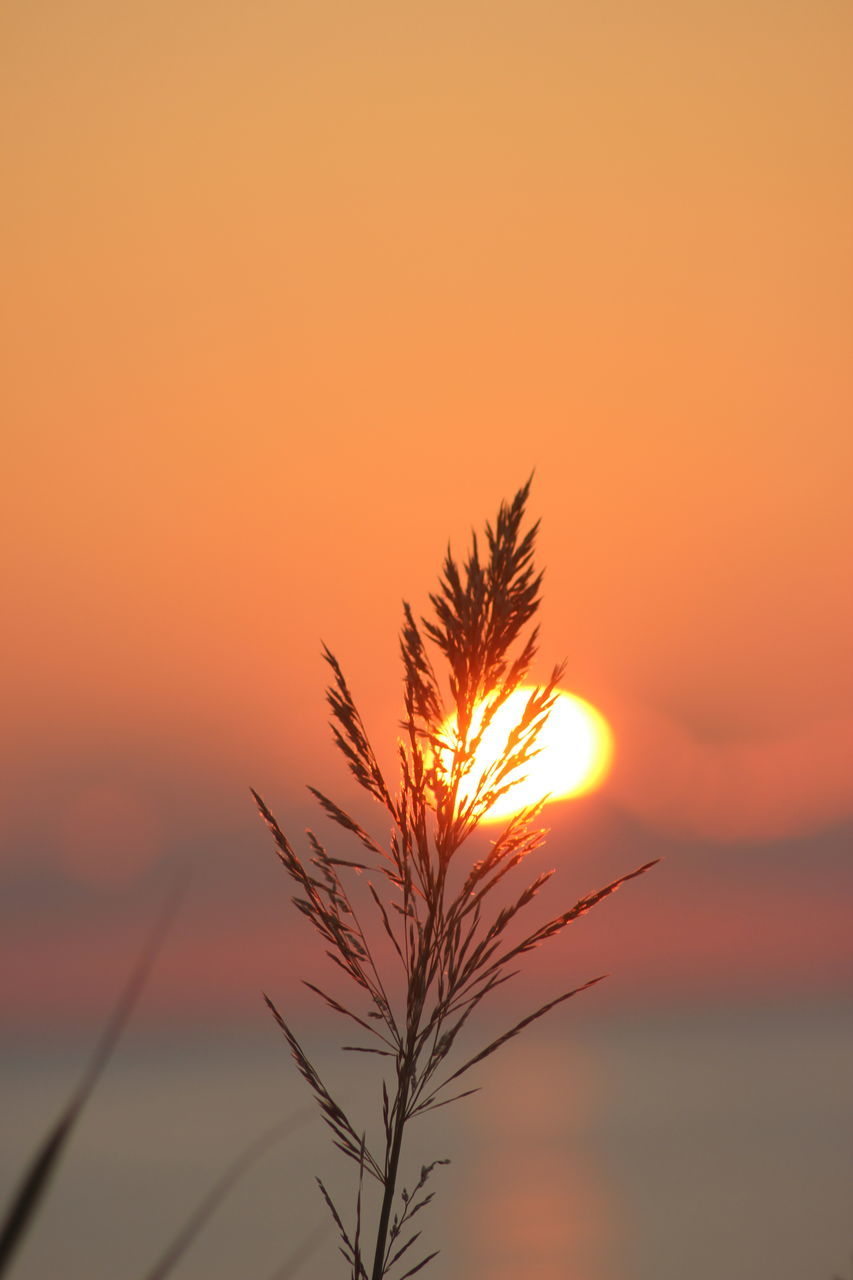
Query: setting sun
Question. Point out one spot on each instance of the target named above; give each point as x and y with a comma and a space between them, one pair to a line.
575, 747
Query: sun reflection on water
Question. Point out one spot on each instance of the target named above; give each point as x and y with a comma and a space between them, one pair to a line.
536, 1204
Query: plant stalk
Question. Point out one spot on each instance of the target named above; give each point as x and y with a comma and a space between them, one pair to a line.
406, 1074
391, 1174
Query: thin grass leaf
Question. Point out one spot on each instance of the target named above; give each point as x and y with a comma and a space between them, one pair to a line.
217, 1193
385, 921
343, 819
342, 1009
519, 1026
404, 1248
337, 1219
358, 1266
301, 1254
556, 925
28, 1198
414, 1271
351, 737
359, 1048
433, 1106
346, 1138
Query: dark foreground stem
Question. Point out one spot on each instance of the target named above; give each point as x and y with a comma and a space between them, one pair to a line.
418, 984
391, 1175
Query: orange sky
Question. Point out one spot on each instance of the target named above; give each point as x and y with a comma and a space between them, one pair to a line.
295, 292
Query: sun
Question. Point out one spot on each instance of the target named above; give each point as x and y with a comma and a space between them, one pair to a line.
575, 748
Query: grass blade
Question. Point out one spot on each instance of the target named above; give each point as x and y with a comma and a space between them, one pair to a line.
301, 1254
211, 1202
31, 1190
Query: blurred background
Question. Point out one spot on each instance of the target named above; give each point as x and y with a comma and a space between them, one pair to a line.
293, 294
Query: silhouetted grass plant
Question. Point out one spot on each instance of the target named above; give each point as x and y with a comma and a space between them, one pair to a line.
451, 949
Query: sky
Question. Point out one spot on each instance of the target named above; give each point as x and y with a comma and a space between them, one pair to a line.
294, 293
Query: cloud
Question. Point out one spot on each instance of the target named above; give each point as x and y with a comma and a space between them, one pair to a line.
755, 791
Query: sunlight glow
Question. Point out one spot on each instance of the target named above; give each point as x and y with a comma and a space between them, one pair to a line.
575, 748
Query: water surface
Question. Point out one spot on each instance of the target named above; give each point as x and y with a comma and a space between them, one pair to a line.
650, 1146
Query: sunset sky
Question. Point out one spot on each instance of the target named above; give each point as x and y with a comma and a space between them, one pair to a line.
296, 292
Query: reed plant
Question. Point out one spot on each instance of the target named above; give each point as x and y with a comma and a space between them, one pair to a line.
449, 944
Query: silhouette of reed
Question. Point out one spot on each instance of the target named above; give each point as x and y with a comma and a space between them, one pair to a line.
451, 950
